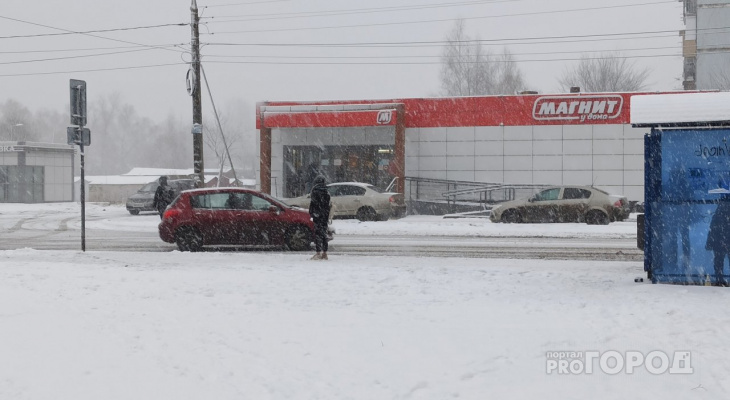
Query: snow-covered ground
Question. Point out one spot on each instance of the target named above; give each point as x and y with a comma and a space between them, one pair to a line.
271, 325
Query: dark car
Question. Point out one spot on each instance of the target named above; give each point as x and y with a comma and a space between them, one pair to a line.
234, 216
143, 199
564, 204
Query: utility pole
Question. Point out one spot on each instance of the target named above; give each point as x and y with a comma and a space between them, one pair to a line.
195, 92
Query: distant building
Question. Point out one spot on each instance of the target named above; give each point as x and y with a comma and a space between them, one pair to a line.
36, 172
117, 188
706, 45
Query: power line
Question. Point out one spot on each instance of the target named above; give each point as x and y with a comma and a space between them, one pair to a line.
82, 33
311, 14
440, 20
93, 70
74, 57
439, 62
245, 4
85, 32
538, 40
440, 56
89, 49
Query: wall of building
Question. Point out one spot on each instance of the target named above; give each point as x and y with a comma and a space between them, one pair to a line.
713, 44
115, 194
48, 172
562, 139
58, 184
606, 156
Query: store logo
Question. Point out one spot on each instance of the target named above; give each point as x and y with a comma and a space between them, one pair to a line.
581, 108
385, 117
7, 149
613, 362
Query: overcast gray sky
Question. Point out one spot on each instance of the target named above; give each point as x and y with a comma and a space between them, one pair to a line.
259, 50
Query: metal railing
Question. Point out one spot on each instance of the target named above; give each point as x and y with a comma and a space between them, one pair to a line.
465, 192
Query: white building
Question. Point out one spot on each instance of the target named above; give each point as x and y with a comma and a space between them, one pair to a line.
36, 172
706, 41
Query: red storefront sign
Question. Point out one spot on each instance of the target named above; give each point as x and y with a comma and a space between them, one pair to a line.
568, 109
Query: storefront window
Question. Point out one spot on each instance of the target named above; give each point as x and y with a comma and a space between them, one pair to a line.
21, 184
367, 163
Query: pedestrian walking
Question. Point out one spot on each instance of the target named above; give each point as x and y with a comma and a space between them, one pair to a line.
319, 210
163, 196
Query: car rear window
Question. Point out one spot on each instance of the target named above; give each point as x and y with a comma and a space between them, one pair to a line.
349, 190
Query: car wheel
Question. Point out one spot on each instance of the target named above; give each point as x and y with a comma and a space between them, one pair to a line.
189, 239
511, 217
366, 214
596, 217
298, 239
134, 212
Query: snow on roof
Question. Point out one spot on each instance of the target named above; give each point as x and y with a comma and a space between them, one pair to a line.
168, 171
116, 180
680, 109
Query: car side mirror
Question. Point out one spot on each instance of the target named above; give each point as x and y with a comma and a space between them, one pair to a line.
531, 200
274, 210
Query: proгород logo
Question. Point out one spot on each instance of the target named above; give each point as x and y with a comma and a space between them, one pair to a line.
615, 362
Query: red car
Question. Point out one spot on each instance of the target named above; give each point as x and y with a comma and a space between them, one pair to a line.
234, 216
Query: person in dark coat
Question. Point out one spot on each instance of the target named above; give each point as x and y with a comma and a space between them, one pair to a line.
163, 196
718, 238
311, 174
319, 210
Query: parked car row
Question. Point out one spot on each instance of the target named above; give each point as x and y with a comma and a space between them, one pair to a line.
245, 217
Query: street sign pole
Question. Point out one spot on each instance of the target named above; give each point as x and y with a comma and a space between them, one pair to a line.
78, 117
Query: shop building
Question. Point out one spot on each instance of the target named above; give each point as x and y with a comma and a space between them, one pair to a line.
36, 172
565, 139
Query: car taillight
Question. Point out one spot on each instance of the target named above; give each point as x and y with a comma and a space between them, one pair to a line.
617, 204
171, 213
391, 199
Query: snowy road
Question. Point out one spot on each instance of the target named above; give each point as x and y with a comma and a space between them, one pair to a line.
111, 228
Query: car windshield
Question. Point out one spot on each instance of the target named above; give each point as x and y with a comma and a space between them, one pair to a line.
150, 187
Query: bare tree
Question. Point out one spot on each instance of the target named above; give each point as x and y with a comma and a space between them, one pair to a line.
469, 70
609, 72
221, 143
16, 122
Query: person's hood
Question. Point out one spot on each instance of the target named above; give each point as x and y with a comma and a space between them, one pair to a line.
319, 180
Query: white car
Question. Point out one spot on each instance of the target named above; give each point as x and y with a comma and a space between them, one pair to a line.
359, 200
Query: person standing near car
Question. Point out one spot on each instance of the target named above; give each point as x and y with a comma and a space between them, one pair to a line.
319, 210
718, 238
163, 196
